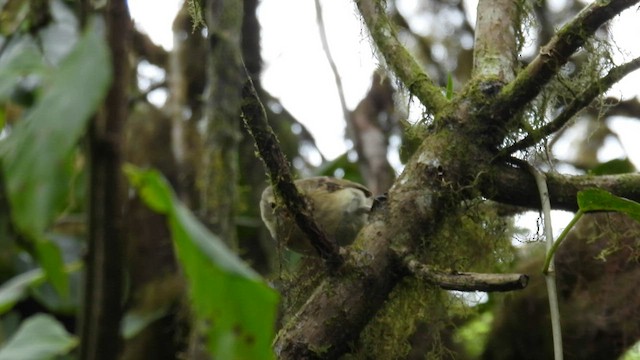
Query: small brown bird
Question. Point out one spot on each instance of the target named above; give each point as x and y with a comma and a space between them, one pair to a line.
340, 207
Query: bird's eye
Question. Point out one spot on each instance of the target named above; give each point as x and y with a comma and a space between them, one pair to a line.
273, 205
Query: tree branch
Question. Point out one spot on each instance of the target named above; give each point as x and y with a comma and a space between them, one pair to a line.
495, 40
433, 184
582, 100
147, 49
255, 119
332, 63
462, 281
515, 186
397, 56
552, 56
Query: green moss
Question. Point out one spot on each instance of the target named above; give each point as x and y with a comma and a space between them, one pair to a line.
474, 239
387, 336
195, 11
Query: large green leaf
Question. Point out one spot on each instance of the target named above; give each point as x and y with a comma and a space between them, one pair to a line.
37, 155
235, 306
601, 200
40, 337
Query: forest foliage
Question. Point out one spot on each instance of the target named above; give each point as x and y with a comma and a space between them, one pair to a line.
198, 275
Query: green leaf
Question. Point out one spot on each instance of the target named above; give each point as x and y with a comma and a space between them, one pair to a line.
50, 258
615, 166
17, 287
235, 307
39, 337
600, 200
135, 321
449, 93
150, 185
38, 152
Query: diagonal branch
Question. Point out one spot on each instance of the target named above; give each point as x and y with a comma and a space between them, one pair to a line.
255, 119
552, 56
397, 56
582, 100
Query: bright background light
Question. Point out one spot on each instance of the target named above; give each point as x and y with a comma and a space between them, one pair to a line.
296, 69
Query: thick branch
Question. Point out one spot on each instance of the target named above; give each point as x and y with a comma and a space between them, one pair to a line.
495, 38
341, 306
516, 186
552, 56
582, 100
433, 184
148, 50
397, 56
255, 119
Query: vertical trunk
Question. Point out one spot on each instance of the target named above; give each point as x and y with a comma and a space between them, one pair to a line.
224, 71
103, 284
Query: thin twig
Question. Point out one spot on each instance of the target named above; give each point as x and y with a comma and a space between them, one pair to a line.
552, 56
550, 276
548, 261
332, 63
463, 281
579, 102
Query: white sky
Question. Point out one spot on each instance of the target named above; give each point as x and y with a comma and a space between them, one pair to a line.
296, 70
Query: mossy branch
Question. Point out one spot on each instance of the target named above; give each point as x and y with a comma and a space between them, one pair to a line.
579, 102
556, 53
515, 186
462, 281
255, 119
397, 56
494, 53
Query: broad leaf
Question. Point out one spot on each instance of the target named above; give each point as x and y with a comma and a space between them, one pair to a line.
600, 200
17, 287
50, 258
39, 337
234, 305
37, 156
